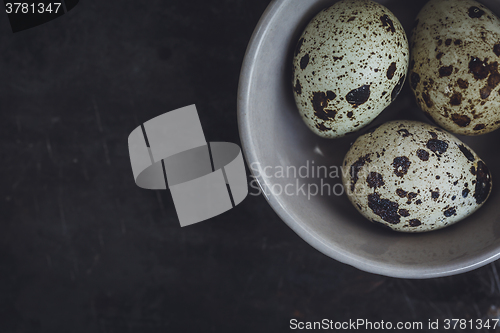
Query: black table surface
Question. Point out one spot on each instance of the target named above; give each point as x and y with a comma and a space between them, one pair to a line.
83, 249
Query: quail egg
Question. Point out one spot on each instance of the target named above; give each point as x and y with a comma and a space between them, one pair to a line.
349, 64
454, 72
414, 177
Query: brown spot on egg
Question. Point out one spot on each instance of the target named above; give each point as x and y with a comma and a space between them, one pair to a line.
460, 119
457, 42
427, 99
450, 211
401, 165
473, 170
320, 102
401, 193
483, 183
494, 78
322, 127
415, 222
304, 61
356, 167
298, 87
411, 195
391, 70
418, 202
439, 55
384, 208
298, 46
467, 153
445, 71
448, 42
404, 212
479, 68
375, 180
404, 132
445, 112
437, 146
475, 12
414, 80
479, 127
496, 49
350, 114
387, 22
397, 88
351, 19
463, 84
456, 99
358, 96
435, 195
423, 155
465, 192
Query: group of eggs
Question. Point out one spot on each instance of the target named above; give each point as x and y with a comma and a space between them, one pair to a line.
351, 62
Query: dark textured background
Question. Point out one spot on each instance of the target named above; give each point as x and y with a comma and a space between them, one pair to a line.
82, 249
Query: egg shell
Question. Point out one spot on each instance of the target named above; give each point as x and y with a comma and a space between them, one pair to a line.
349, 64
454, 73
414, 177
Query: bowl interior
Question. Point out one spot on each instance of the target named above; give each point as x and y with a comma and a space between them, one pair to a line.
300, 172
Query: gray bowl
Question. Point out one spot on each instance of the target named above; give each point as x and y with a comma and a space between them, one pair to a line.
285, 158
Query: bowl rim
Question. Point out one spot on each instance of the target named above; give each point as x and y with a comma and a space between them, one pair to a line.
249, 152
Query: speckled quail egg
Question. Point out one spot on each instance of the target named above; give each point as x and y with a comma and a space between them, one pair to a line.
414, 177
454, 65
350, 64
